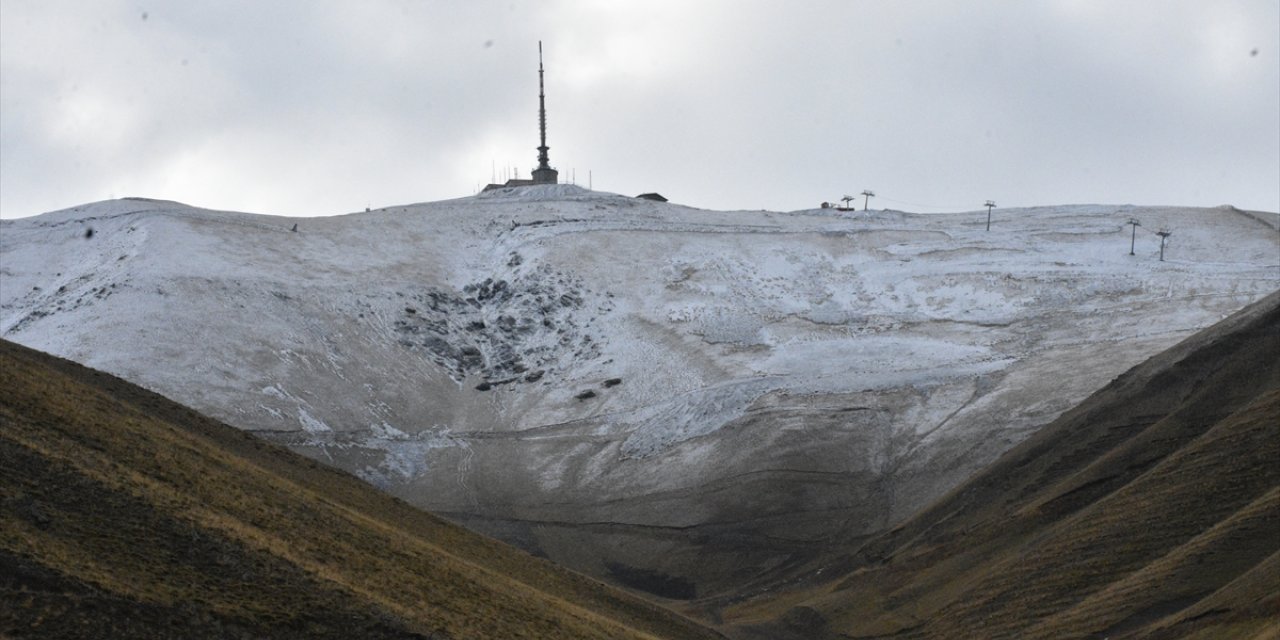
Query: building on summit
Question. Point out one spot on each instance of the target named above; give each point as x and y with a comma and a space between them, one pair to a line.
544, 174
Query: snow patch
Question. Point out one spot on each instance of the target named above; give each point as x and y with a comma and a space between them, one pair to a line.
661, 426
404, 455
310, 424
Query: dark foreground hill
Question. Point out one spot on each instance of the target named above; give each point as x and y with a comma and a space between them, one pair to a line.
1152, 510
124, 515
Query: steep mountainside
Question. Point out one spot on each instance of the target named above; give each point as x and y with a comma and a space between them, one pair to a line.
671, 398
124, 515
1151, 510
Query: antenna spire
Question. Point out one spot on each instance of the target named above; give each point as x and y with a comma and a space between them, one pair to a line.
544, 173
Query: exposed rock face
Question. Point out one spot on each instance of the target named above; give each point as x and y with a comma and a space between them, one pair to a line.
499, 330
782, 377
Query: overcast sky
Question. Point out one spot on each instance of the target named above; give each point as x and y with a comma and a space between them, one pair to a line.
312, 107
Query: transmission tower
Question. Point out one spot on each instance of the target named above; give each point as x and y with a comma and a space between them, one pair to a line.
544, 174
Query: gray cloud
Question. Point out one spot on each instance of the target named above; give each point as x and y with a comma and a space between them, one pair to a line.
312, 108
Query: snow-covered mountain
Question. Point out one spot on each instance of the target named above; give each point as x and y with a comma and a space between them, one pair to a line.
635, 388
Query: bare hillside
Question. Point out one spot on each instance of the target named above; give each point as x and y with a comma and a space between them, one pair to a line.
125, 515
1151, 510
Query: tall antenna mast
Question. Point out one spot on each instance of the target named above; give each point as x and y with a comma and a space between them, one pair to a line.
544, 173
542, 114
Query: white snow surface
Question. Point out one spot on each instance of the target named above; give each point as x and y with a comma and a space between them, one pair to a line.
548, 351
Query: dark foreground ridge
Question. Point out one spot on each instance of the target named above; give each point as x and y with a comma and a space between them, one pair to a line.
1151, 510
125, 515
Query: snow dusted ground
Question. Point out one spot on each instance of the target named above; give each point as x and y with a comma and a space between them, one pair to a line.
556, 355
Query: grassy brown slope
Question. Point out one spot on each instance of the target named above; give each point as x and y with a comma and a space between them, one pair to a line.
1150, 510
125, 515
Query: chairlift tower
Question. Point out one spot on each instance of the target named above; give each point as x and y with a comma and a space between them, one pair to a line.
1164, 235
867, 195
1133, 237
989, 205
846, 200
